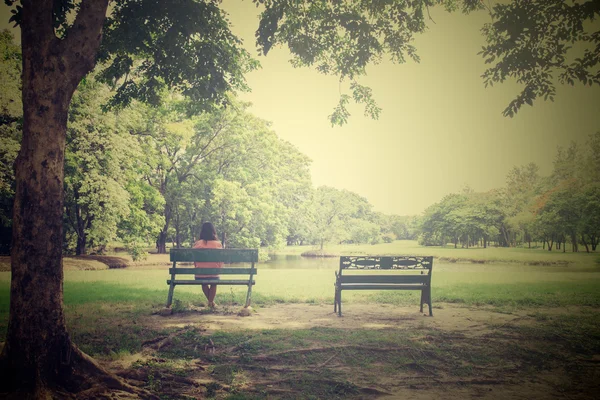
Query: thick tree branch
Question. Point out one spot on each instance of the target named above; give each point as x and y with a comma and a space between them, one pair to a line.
84, 36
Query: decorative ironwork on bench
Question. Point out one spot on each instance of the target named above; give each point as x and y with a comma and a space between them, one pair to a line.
386, 262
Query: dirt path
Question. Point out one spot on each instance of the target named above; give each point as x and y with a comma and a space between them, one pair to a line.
459, 353
471, 322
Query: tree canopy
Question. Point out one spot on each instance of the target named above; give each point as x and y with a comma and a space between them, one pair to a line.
561, 208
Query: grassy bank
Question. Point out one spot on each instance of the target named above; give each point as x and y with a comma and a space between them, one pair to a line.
507, 286
519, 255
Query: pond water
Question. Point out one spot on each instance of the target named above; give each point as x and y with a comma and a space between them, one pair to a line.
287, 261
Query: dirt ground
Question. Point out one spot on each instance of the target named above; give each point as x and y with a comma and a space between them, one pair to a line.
463, 335
355, 316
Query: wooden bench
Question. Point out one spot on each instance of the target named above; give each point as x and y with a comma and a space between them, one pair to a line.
384, 273
226, 256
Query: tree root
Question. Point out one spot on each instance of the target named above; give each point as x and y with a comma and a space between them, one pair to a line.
327, 382
165, 341
142, 375
79, 378
102, 382
271, 356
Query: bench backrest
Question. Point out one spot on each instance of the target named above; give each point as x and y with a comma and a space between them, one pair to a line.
424, 264
215, 255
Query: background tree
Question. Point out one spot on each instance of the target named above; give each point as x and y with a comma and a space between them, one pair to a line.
588, 226
272, 174
330, 211
177, 149
523, 184
96, 159
11, 112
437, 228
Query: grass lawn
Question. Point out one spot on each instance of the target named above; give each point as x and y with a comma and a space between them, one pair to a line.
501, 327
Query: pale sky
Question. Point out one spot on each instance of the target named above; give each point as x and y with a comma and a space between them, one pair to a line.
439, 130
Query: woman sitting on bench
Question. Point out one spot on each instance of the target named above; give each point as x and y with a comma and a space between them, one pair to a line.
208, 240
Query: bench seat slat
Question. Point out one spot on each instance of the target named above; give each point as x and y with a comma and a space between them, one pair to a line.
384, 279
210, 281
213, 271
358, 286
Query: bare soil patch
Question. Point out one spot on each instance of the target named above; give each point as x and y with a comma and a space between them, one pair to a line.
373, 351
80, 263
110, 261
474, 321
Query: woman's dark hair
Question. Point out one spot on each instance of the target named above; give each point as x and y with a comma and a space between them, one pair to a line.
208, 232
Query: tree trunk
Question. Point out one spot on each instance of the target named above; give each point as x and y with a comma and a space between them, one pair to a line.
81, 244
505, 236
38, 347
587, 248
38, 356
80, 227
161, 242
177, 233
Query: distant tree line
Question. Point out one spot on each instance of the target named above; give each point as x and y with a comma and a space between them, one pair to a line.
553, 210
152, 174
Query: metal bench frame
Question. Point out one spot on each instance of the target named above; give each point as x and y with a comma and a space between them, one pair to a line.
226, 256
405, 276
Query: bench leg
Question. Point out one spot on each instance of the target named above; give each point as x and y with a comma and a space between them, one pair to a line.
426, 298
429, 301
170, 296
249, 295
335, 299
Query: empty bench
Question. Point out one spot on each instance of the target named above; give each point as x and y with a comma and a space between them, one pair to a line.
384, 273
244, 276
